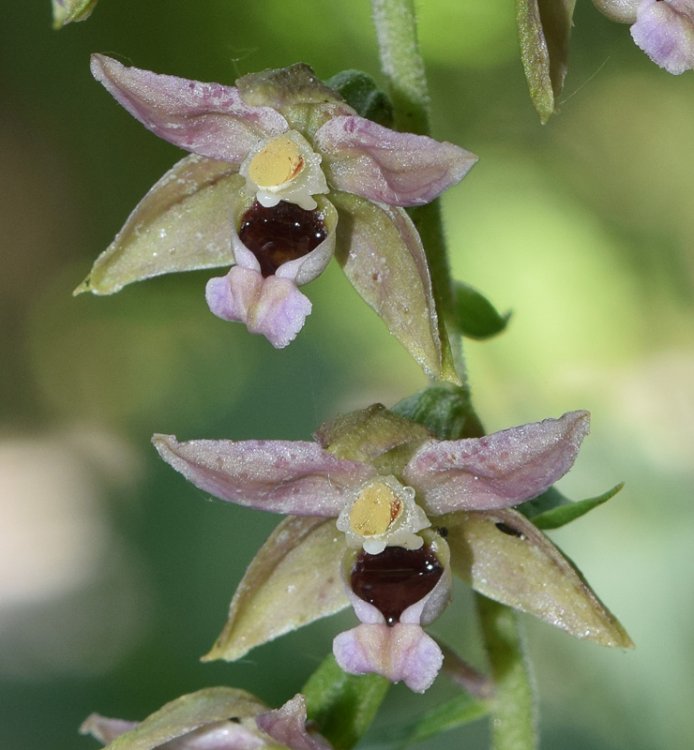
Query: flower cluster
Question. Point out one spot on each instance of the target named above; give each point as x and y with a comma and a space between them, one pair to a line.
283, 175
663, 29
409, 510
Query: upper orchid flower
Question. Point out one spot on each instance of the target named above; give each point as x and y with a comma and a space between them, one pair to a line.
212, 719
409, 509
663, 29
276, 160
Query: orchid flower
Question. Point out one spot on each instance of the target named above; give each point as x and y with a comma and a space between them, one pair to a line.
283, 174
212, 719
663, 29
380, 515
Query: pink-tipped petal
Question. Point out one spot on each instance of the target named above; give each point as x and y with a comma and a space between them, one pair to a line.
280, 311
287, 725
273, 307
380, 164
498, 470
105, 729
231, 297
664, 30
274, 475
205, 118
401, 653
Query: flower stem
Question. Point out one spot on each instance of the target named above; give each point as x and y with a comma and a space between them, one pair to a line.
513, 723
513, 711
403, 66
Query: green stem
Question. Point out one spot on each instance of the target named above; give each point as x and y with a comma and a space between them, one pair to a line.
513, 713
514, 718
403, 66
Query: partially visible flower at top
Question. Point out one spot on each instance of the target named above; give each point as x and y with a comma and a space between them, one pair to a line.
266, 153
212, 719
410, 509
663, 29
67, 11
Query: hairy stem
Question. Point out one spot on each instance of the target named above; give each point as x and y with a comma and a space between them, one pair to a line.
403, 66
513, 712
514, 720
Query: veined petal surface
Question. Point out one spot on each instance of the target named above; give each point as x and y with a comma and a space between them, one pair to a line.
287, 725
381, 254
503, 556
282, 476
383, 165
187, 714
182, 224
497, 470
293, 580
209, 119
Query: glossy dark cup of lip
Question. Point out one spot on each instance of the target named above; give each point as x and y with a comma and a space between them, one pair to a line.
395, 579
280, 233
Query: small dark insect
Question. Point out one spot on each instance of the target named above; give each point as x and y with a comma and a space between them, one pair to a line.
442, 531
508, 529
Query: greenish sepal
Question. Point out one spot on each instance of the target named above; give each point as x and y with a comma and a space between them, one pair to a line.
445, 410
564, 513
475, 316
67, 11
544, 28
360, 91
369, 433
342, 705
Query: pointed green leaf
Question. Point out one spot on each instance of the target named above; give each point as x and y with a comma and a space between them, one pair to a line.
476, 317
553, 518
185, 715
381, 254
293, 580
451, 714
360, 91
548, 500
182, 224
544, 27
506, 558
67, 11
343, 705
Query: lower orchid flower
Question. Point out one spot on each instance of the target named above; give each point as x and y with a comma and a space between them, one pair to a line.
212, 719
282, 174
663, 29
380, 514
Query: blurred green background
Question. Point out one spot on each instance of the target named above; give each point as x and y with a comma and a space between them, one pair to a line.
115, 575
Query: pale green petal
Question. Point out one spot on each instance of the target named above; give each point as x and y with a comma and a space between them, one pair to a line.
182, 224
503, 556
185, 715
293, 580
